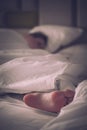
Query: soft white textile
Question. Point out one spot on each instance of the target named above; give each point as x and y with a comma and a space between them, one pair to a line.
9, 54
62, 35
25, 74
10, 39
58, 35
15, 115
74, 115
32, 73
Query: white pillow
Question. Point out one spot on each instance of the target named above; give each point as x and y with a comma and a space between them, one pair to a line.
10, 39
58, 35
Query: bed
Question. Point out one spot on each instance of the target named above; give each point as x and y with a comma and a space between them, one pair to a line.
24, 70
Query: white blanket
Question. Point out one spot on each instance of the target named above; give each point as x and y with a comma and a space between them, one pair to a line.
15, 114
74, 115
33, 73
27, 74
21, 75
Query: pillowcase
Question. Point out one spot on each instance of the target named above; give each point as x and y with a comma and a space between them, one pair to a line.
10, 39
58, 35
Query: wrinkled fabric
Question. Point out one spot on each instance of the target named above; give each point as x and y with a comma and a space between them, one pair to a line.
74, 115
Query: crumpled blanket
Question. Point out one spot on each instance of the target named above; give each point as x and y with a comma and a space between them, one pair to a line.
25, 74
74, 115
33, 73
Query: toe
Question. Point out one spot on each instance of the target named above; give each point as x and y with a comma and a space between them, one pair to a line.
29, 99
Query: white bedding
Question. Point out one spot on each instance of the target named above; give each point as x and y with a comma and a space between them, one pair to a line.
9, 54
31, 73
74, 115
20, 76
14, 114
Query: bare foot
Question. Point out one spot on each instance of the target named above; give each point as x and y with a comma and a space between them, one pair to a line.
52, 101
